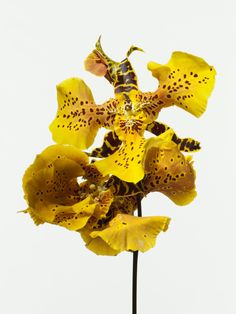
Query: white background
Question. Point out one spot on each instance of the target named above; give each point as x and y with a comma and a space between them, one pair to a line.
47, 269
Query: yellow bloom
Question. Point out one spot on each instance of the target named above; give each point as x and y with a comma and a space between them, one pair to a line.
52, 191
54, 196
185, 81
101, 207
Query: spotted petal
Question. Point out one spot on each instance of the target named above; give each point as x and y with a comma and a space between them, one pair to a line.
169, 172
54, 153
129, 233
51, 181
78, 118
126, 162
75, 217
75, 122
186, 81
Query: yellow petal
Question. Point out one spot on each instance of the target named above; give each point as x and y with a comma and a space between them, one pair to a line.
76, 122
75, 217
169, 172
71, 217
54, 153
186, 81
98, 246
180, 197
51, 181
126, 162
129, 233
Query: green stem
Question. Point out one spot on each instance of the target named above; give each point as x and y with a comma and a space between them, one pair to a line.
135, 265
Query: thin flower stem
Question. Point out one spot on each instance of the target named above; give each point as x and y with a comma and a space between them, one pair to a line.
135, 264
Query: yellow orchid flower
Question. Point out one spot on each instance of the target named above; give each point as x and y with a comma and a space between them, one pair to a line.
52, 191
55, 196
186, 81
129, 164
101, 205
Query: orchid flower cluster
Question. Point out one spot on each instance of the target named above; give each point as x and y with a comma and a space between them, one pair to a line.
101, 204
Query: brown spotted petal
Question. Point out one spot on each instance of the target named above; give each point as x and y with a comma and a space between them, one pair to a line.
126, 162
78, 118
75, 217
168, 171
186, 81
51, 188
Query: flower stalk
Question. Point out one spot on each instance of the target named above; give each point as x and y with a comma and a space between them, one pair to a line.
135, 265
